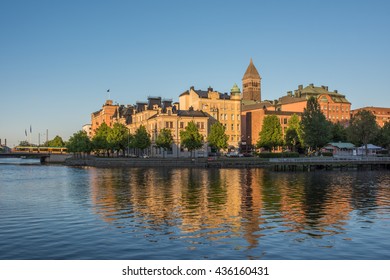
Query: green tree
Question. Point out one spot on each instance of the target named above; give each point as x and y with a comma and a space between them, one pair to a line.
363, 128
25, 144
217, 137
79, 143
141, 138
316, 129
164, 139
190, 137
100, 139
118, 138
56, 142
271, 135
383, 139
293, 137
339, 132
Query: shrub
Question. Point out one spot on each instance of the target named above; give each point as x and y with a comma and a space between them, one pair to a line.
279, 155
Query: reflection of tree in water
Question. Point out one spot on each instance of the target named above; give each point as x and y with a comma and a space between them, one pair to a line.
312, 204
211, 205
251, 204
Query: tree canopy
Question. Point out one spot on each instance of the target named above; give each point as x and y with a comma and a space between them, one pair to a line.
315, 127
339, 132
141, 138
271, 135
79, 143
190, 137
118, 137
56, 142
384, 136
164, 139
363, 128
100, 139
293, 137
217, 137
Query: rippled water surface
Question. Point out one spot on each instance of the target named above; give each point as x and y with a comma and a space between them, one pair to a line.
56, 212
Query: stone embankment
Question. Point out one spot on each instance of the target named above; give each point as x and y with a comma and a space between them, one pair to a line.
286, 164
168, 162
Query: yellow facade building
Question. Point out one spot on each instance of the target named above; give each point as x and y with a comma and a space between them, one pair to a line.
222, 107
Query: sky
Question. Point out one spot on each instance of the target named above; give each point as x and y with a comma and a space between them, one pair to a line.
59, 58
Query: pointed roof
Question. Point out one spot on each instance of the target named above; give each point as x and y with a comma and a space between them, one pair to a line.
251, 72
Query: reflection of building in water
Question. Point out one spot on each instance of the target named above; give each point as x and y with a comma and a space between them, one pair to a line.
302, 205
201, 202
251, 204
220, 203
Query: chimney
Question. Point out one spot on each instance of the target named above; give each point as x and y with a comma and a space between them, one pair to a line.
312, 85
210, 89
300, 87
336, 91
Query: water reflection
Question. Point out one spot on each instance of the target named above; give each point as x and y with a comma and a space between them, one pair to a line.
231, 204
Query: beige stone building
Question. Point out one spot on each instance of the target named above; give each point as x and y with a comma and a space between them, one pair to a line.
156, 114
222, 107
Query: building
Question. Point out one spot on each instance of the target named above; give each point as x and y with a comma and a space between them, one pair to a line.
334, 105
382, 115
156, 114
222, 107
87, 128
340, 148
104, 115
251, 84
252, 118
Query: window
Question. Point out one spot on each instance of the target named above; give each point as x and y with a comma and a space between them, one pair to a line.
232, 127
232, 117
238, 127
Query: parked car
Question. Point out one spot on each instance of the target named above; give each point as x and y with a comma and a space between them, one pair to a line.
234, 154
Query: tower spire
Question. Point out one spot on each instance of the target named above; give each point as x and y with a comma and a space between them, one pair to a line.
251, 83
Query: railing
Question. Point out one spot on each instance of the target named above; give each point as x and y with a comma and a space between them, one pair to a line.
330, 159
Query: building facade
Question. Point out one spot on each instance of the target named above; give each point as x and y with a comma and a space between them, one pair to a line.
104, 115
251, 84
222, 107
334, 105
382, 115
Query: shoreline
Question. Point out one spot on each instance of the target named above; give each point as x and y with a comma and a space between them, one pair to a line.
286, 164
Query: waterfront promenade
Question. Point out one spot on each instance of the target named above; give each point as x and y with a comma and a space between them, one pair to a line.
280, 164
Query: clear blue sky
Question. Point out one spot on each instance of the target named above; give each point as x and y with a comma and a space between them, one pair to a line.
58, 58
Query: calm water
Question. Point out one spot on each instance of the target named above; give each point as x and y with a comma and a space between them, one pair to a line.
56, 212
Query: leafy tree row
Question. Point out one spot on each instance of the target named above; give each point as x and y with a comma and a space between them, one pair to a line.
313, 131
117, 139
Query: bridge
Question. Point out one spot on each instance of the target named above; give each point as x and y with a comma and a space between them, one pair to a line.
43, 157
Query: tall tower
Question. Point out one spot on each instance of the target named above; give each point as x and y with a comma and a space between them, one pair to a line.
251, 83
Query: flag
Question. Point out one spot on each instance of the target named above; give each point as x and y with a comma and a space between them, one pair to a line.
30, 129
25, 132
108, 90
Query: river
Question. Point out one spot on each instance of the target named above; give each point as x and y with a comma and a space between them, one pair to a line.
58, 212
